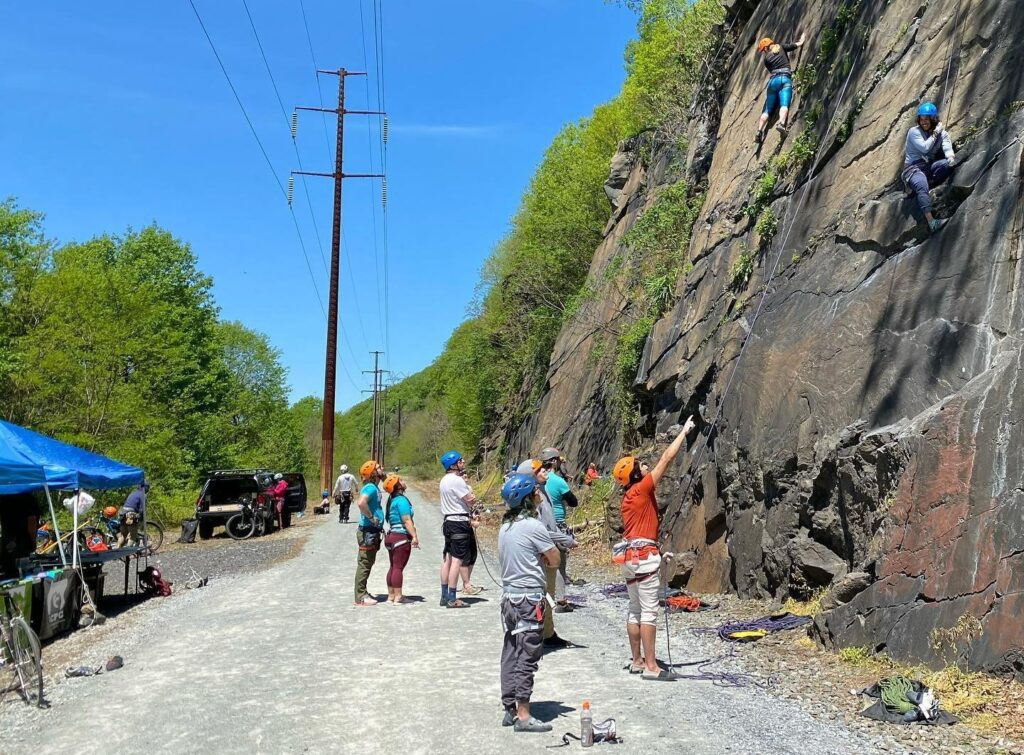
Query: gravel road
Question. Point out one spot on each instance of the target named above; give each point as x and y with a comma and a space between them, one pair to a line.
279, 660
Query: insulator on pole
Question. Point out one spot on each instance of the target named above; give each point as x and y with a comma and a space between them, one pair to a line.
295, 123
385, 129
384, 192
291, 189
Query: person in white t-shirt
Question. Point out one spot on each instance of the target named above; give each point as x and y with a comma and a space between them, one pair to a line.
457, 502
344, 487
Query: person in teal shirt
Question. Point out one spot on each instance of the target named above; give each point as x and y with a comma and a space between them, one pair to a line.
561, 497
370, 531
556, 489
401, 537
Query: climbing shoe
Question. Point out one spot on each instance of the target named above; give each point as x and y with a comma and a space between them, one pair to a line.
935, 225
782, 128
531, 724
510, 717
759, 137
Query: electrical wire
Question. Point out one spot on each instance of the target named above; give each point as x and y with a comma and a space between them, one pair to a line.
263, 151
309, 202
316, 77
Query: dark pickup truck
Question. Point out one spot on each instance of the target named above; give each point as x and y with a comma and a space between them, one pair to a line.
224, 490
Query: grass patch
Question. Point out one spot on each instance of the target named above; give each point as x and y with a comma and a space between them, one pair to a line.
766, 227
810, 607
742, 269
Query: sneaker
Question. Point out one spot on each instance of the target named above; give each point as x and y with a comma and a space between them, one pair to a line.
509, 718
563, 608
367, 601
472, 590
531, 724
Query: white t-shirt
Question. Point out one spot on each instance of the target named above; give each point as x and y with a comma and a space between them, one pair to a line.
346, 484
453, 490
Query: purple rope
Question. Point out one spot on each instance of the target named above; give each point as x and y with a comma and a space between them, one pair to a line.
767, 623
733, 679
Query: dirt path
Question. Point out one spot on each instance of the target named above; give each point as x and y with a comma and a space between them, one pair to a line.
280, 661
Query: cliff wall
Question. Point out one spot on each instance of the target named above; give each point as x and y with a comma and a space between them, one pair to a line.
865, 374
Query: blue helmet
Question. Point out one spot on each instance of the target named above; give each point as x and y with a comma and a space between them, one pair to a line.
518, 488
928, 109
450, 459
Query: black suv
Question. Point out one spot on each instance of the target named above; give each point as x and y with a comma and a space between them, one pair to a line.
224, 490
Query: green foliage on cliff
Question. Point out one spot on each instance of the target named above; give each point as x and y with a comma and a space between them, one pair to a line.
115, 345
492, 369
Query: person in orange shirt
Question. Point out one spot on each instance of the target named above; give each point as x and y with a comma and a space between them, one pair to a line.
591, 474
638, 555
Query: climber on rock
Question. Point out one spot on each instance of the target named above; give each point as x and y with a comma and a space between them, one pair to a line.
780, 83
923, 169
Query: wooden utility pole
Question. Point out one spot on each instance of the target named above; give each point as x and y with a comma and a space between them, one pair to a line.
375, 446
331, 361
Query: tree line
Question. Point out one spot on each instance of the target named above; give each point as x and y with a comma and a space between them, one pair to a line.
116, 345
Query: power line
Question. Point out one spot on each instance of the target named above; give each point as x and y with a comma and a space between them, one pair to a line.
270, 165
284, 114
384, 170
263, 150
369, 143
319, 92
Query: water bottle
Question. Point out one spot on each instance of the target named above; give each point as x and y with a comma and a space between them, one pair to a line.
586, 725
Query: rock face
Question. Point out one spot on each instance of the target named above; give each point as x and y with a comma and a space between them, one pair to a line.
865, 375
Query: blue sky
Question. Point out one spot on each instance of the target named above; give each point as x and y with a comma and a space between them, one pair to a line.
118, 116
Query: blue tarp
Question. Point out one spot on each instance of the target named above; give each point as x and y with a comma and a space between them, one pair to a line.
28, 461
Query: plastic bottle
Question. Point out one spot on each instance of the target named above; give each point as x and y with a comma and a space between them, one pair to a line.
586, 725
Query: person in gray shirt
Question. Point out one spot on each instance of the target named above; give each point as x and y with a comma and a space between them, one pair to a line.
525, 549
562, 540
923, 169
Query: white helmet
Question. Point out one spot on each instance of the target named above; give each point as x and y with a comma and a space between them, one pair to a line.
344, 468
279, 476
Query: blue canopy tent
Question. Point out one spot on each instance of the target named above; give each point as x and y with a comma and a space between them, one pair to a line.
30, 462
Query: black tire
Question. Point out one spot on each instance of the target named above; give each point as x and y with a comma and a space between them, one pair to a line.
205, 529
240, 527
153, 536
26, 658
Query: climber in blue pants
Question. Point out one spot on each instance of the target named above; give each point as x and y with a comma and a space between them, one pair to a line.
922, 168
780, 83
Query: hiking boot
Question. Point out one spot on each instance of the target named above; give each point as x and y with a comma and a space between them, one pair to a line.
531, 724
509, 718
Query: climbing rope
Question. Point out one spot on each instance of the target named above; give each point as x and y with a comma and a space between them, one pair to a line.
791, 219
895, 693
768, 624
949, 63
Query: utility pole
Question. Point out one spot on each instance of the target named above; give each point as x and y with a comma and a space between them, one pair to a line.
399, 431
375, 447
331, 361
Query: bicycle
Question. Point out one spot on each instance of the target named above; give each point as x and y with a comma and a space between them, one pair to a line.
251, 520
152, 537
20, 649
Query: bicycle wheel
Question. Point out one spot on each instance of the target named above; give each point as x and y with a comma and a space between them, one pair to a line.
240, 527
27, 660
153, 536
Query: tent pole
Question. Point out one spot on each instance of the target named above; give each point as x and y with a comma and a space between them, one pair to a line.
74, 535
56, 529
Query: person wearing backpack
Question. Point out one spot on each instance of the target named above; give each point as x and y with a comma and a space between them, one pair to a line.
401, 537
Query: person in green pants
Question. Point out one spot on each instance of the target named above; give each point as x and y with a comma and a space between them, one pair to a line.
370, 531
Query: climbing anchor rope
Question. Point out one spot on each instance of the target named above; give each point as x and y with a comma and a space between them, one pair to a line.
791, 219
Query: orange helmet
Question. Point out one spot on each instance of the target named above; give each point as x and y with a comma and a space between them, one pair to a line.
110, 512
391, 482
623, 469
764, 44
367, 470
